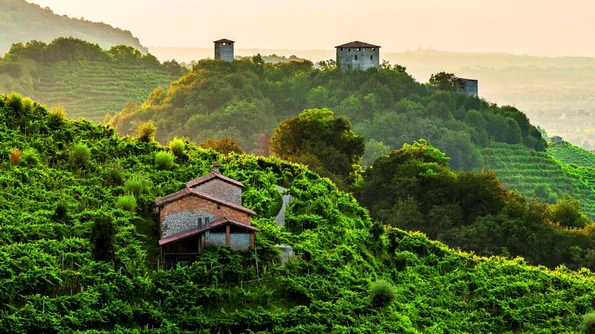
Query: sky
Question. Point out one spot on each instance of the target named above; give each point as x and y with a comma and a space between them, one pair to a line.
534, 27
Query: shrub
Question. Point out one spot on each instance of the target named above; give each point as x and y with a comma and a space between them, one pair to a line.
164, 160
134, 186
30, 157
177, 146
588, 325
102, 238
113, 174
15, 156
381, 294
58, 113
145, 131
126, 202
80, 155
61, 211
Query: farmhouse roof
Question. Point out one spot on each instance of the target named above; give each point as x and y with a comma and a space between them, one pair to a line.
192, 192
357, 44
217, 223
224, 40
209, 177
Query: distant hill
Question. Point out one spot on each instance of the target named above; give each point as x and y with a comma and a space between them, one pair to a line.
82, 78
21, 21
556, 93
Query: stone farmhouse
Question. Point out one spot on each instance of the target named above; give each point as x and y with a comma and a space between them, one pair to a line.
358, 55
207, 212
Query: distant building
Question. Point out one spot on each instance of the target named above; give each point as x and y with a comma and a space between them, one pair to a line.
556, 140
358, 55
207, 211
469, 86
224, 49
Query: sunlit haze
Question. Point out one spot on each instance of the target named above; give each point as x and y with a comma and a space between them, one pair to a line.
536, 27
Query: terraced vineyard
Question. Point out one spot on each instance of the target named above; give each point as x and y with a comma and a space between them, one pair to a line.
554, 172
92, 89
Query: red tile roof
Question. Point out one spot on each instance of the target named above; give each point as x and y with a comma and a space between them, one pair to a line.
210, 176
195, 231
188, 192
357, 44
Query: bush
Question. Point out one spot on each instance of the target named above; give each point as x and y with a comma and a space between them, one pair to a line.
103, 234
588, 325
126, 202
30, 157
113, 174
134, 186
80, 155
177, 147
58, 113
145, 132
15, 156
164, 160
381, 294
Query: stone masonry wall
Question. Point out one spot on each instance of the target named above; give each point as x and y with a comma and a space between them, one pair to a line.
358, 58
182, 215
222, 190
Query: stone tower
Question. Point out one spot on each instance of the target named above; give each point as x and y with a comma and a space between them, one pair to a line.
358, 56
469, 86
224, 49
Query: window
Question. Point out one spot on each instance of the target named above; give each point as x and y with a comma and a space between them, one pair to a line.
371, 57
359, 49
341, 49
218, 207
373, 49
349, 50
355, 57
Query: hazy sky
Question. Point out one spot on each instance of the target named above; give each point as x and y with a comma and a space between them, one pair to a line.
537, 27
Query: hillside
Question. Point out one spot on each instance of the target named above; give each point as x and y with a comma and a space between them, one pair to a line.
21, 22
82, 78
564, 168
555, 92
68, 176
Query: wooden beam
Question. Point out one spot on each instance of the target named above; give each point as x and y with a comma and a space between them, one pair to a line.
227, 230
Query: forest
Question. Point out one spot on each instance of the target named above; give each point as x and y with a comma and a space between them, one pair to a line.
78, 245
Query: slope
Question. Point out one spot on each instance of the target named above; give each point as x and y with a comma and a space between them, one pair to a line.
50, 281
21, 21
83, 79
545, 175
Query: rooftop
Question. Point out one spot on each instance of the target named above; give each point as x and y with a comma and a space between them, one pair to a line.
210, 176
224, 41
357, 44
191, 192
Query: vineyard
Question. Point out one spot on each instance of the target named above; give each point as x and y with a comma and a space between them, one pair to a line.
545, 175
62, 183
93, 89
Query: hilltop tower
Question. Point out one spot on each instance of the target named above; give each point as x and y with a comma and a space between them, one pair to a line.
469, 86
224, 49
358, 55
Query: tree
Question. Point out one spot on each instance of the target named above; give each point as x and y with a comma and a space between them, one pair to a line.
223, 145
444, 81
328, 142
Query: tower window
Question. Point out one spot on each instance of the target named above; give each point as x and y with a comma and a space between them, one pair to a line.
349, 50
359, 49
341, 49
355, 57
371, 57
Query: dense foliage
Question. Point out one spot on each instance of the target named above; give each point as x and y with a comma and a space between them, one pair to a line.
58, 275
473, 211
83, 78
23, 21
247, 98
323, 142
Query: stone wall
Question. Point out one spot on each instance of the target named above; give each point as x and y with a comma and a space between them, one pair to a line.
215, 239
182, 214
239, 241
224, 51
358, 58
221, 189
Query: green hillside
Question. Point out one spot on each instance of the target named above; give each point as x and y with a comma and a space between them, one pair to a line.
564, 168
80, 77
21, 21
62, 185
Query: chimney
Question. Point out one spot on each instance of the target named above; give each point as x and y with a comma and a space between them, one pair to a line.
216, 168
